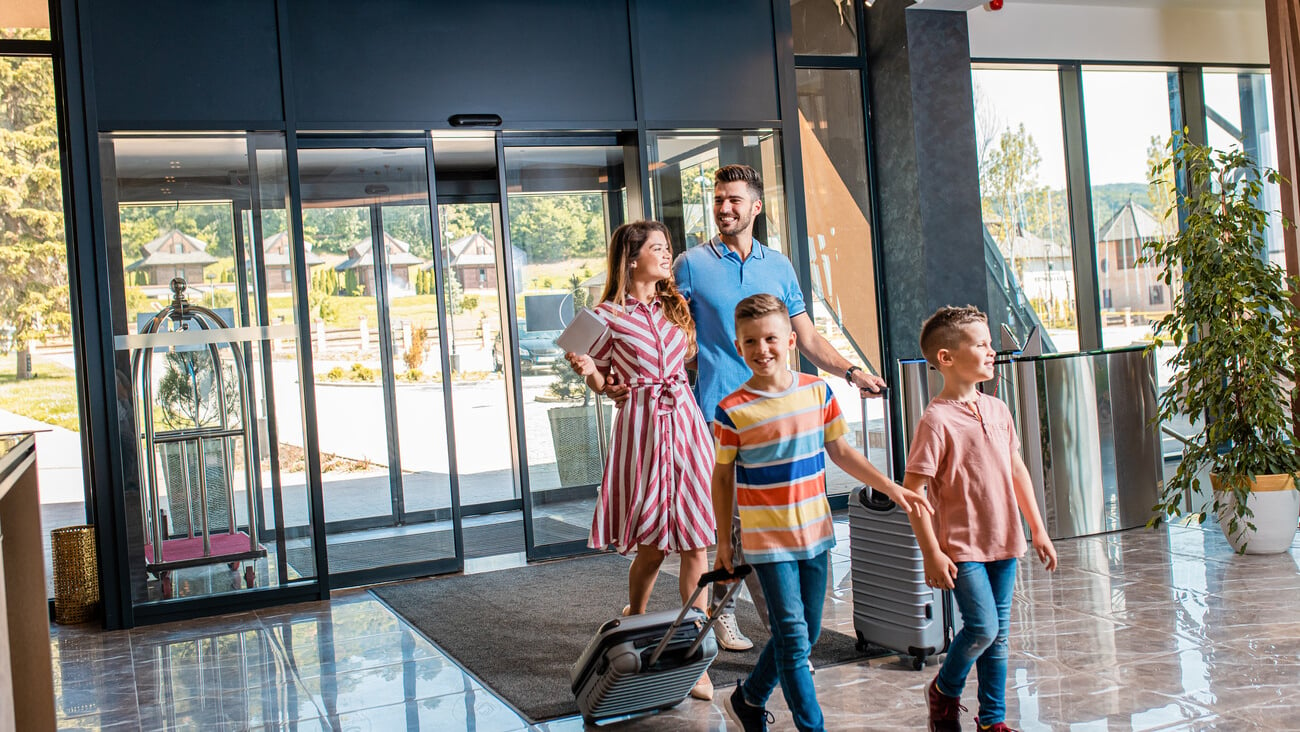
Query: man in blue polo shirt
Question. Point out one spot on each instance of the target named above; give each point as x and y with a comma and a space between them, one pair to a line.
716, 275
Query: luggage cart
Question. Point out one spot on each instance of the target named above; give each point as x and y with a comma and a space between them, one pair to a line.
191, 467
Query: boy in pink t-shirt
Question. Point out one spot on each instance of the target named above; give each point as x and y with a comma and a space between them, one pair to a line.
967, 453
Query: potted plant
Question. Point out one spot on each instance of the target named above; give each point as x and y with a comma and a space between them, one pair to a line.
1235, 329
574, 430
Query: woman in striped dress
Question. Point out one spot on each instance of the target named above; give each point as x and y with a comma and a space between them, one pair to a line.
655, 497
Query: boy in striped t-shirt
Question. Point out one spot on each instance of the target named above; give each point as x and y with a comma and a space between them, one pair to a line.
772, 437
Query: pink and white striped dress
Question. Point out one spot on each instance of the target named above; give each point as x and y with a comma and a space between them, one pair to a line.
657, 483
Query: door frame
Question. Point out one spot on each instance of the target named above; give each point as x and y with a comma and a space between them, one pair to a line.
628, 142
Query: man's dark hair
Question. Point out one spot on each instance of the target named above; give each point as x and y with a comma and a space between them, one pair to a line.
740, 173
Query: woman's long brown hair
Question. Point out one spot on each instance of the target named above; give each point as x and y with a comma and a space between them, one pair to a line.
624, 247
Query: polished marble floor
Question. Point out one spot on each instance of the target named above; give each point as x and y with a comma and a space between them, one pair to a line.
1163, 629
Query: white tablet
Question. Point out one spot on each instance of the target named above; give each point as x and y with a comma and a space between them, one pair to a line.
582, 333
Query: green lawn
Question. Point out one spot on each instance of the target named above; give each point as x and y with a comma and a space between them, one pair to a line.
50, 397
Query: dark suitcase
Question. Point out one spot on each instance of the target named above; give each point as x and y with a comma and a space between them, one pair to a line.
893, 607
643, 663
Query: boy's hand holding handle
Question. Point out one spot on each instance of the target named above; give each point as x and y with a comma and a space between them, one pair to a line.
724, 558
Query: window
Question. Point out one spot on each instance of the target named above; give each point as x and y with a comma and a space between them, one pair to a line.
286, 275
1021, 151
1127, 116
824, 28
681, 182
1157, 295
1239, 114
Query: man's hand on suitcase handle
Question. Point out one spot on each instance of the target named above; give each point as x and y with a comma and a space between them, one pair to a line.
723, 571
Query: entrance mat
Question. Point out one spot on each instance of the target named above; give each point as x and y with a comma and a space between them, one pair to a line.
519, 630
484, 540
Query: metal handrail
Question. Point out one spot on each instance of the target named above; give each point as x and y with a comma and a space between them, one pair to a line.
1012, 292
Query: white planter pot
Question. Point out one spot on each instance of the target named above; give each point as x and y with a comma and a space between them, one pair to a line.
1275, 503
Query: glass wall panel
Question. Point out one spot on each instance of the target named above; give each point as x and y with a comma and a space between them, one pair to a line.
1239, 114
681, 182
1128, 117
27, 20
823, 28
837, 195
380, 404
214, 482
1021, 154
563, 203
38, 368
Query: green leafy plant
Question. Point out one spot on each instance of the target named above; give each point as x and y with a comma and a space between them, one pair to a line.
1234, 327
568, 385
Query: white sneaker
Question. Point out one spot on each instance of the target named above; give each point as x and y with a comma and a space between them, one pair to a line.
729, 635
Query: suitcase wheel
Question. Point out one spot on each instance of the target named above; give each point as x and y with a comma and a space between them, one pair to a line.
918, 663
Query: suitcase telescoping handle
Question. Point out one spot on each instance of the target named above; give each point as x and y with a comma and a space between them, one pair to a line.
740, 571
870, 499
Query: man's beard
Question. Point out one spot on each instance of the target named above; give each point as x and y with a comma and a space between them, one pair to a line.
740, 225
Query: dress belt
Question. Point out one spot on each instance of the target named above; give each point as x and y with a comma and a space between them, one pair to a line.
664, 391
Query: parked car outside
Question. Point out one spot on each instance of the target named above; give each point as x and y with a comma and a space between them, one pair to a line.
537, 349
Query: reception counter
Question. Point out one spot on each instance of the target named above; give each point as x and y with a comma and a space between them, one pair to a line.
26, 681
1087, 431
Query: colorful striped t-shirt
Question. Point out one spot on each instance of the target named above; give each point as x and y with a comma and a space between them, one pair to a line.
777, 441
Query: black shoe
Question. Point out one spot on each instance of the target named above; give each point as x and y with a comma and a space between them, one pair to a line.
749, 717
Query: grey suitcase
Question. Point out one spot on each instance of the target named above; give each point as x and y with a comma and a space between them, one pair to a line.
893, 607
643, 663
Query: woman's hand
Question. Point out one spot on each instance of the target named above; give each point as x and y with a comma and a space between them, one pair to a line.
581, 363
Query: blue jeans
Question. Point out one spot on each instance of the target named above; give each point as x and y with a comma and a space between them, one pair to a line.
983, 593
795, 592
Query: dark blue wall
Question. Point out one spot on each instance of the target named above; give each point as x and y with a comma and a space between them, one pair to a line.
707, 60
403, 61
216, 61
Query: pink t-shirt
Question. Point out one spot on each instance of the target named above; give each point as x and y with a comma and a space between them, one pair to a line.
967, 458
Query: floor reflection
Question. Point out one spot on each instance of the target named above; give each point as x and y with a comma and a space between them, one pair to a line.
1139, 630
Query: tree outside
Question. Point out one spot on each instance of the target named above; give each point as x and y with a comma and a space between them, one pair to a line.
34, 304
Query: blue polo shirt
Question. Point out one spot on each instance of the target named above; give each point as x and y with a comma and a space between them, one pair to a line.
713, 279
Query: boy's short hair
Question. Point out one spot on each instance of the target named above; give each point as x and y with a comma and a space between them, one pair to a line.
758, 306
740, 173
943, 329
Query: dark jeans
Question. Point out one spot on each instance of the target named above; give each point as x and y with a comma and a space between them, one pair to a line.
983, 594
795, 594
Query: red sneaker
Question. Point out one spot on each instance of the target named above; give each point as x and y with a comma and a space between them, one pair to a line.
945, 711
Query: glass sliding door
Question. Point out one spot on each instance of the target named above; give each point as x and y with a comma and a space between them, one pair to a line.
562, 203
381, 399
206, 359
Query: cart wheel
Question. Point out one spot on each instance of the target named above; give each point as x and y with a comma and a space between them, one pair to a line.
918, 663
249, 576
166, 578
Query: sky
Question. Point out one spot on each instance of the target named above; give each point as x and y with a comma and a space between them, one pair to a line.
1123, 110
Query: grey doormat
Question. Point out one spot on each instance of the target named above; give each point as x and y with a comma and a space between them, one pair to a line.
519, 630
485, 540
